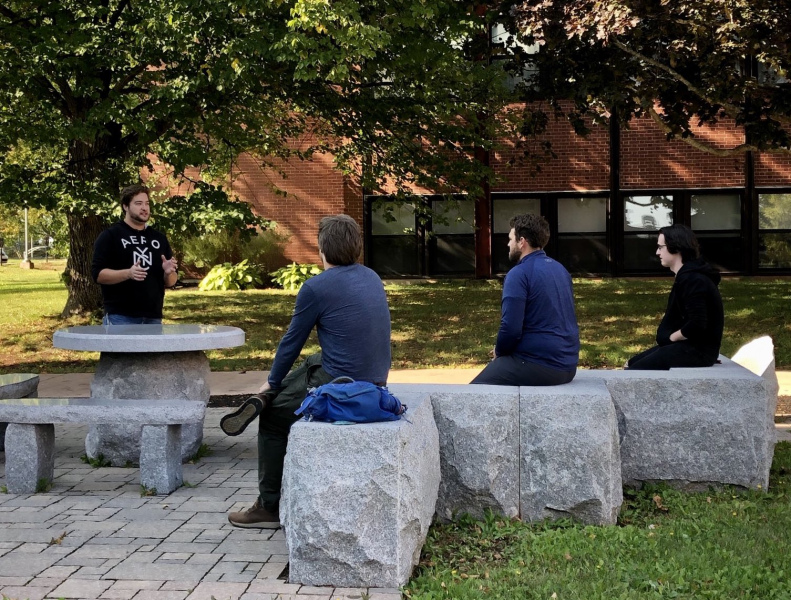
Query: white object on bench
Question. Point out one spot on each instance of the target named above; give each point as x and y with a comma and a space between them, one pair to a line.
30, 437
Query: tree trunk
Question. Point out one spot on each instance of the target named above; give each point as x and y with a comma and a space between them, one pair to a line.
85, 296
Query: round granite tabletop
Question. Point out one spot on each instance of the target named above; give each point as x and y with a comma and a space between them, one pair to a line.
148, 338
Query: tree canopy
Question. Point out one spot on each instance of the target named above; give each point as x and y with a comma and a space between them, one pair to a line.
399, 90
683, 63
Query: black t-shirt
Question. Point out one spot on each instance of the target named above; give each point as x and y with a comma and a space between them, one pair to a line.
119, 247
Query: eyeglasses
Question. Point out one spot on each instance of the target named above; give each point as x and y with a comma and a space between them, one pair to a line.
660, 246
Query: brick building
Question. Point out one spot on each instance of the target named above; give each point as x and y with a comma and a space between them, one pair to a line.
604, 197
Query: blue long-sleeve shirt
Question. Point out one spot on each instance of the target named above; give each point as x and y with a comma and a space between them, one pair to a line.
348, 306
539, 324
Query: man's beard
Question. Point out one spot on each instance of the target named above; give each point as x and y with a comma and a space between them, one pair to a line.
514, 255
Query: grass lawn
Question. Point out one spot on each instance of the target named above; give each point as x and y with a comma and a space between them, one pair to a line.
435, 324
668, 544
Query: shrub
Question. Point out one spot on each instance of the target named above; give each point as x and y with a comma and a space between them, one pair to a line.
291, 277
200, 253
232, 277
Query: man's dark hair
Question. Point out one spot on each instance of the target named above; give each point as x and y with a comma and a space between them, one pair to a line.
130, 192
681, 239
534, 228
340, 240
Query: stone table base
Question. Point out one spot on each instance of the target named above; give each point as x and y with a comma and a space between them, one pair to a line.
146, 376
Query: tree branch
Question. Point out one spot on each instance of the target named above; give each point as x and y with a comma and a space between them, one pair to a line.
702, 146
730, 108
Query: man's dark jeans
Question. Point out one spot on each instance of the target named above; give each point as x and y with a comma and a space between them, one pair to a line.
275, 423
510, 370
671, 356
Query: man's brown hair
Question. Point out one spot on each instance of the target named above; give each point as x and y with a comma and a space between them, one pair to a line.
340, 240
534, 228
130, 192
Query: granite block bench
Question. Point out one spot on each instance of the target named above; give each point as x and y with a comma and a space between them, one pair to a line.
16, 385
693, 428
529, 452
358, 499
30, 437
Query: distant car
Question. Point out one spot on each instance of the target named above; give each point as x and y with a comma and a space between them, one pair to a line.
3, 256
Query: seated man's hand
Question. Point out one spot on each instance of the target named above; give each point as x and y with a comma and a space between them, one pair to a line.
264, 388
493, 353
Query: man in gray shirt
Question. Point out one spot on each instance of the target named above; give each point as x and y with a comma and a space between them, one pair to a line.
347, 305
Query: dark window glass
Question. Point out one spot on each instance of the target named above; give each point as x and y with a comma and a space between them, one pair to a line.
394, 256
581, 239
724, 251
582, 253
774, 250
393, 250
452, 255
639, 253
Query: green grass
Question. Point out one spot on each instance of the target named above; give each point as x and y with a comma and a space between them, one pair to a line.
722, 544
435, 324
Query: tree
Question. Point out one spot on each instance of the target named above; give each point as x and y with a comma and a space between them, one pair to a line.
90, 90
682, 63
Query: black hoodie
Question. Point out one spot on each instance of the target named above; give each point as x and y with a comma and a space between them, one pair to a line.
695, 307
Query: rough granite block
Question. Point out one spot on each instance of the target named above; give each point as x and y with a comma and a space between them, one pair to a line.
29, 456
358, 499
160, 458
693, 427
570, 459
155, 376
479, 447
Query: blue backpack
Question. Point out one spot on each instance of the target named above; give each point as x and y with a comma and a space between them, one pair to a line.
351, 401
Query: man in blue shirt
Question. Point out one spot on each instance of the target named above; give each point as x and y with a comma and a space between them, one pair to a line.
538, 342
347, 305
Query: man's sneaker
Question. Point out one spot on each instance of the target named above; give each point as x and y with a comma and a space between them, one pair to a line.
236, 422
255, 517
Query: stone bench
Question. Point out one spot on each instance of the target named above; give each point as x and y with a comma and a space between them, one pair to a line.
30, 437
358, 499
529, 452
16, 385
693, 428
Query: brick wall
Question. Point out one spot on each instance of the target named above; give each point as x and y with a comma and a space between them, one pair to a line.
772, 170
648, 160
581, 163
313, 189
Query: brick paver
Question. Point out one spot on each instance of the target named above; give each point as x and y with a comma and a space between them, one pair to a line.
93, 536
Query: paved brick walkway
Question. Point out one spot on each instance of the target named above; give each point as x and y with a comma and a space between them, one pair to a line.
93, 535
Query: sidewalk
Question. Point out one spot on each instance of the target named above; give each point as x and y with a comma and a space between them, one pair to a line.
93, 536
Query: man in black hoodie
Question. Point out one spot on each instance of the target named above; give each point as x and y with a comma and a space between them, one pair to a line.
691, 330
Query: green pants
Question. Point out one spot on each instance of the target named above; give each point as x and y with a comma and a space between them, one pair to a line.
275, 424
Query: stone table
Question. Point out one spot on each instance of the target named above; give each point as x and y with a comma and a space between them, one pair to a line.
147, 362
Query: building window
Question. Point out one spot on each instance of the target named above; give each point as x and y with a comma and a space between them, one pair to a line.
716, 220
452, 241
774, 231
503, 210
643, 216
394, 248
582, 234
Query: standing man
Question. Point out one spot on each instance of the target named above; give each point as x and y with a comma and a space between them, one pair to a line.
134, 264
690, 333
347, 305
538, 342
